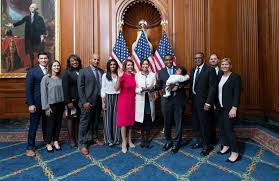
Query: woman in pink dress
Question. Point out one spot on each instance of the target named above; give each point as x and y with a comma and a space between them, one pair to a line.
126, 103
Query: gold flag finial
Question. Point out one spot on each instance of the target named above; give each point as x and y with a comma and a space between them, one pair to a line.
164, 24
120, 25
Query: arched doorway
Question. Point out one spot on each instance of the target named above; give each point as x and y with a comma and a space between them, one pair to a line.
134, 11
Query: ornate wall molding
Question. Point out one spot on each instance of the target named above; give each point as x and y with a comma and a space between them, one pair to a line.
122, 5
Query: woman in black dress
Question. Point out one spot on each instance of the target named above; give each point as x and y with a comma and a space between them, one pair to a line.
69, 82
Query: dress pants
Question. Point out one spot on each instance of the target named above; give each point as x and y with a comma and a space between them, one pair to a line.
111, 130
227, 135
213, 122
201, 122
34, 122
146, 124
54, 122
89, 122
173, 111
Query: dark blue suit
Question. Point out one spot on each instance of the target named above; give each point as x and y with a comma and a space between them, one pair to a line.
33, 94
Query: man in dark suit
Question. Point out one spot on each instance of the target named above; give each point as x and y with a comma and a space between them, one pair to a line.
35, 32
203, 82
214, 63
172, 107
89, 90
33, 94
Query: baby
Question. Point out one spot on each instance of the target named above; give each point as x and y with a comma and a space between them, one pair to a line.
179, 76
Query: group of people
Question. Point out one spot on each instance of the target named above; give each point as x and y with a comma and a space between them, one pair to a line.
126, 97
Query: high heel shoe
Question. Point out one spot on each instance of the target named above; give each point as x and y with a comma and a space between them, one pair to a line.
124, 148
220, 153
238, 158
131, 145
49, 150
57, 147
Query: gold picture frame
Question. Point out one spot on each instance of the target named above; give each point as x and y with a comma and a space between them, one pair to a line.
14, 61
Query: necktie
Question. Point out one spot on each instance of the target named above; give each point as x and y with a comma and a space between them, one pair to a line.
98, 80
170, 71
45, 70
196, 77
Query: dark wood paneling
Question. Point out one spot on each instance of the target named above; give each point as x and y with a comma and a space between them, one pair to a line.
67, 13
274, 54
12, 98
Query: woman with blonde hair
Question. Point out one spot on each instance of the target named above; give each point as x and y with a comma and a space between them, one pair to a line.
229, 89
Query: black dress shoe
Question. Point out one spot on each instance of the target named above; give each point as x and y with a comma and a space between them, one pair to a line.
196, 146
220, 153
175, 149
142, 144
167, 146
238, 158
147, 144
206, 152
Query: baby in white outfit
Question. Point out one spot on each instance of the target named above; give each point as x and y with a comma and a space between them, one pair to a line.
179, 76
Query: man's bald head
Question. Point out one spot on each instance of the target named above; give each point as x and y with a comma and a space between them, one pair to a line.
95, 60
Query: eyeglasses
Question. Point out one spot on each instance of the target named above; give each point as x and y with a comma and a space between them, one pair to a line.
198, 58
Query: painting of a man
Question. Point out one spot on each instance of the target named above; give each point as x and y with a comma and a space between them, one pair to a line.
35, 31
31, 29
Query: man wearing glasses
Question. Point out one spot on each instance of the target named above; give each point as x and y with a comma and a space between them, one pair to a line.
203, 81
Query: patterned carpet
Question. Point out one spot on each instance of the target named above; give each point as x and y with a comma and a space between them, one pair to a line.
109, 163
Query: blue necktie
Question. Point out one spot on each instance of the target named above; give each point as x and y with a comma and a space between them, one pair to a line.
170, 71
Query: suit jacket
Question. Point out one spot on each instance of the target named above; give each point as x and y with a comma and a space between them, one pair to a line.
219, 75
231, 92
70, 87
163, 76
205, 86
87, 86
33, 31
33, 86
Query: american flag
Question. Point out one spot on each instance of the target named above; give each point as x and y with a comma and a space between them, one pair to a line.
120, 51
142, 51
163, 49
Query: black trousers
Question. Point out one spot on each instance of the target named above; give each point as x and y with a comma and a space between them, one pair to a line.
213, 122
54, 122
227, 135
34, 122
89, 122
146, 125
201, 122
173, 111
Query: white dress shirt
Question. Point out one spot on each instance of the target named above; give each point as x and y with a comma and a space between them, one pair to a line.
108, 86
220, 88
44, 69
217, 70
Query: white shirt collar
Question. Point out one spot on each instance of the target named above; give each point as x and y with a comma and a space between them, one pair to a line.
201, 66
43, 68
217, 69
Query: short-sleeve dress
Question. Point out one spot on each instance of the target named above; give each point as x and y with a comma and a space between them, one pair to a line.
126, 101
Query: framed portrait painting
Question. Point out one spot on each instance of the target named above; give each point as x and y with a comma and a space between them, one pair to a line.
27, 28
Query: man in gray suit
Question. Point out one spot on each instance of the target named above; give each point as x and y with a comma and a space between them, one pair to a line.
89, 89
